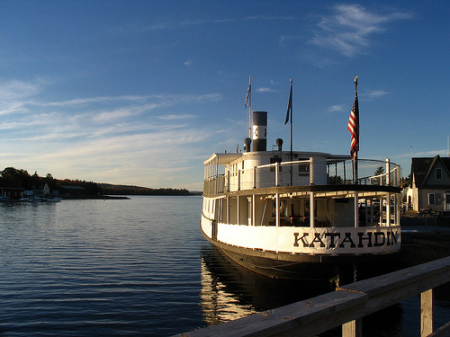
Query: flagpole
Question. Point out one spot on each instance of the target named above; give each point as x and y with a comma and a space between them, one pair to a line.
248, 101
291, 117
355, 157
290, 150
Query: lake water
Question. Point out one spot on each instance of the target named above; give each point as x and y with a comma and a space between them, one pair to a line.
138, 267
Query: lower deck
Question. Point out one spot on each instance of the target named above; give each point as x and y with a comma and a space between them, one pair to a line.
305, 222
306, 208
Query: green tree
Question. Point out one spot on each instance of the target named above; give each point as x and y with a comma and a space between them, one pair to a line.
378, 171
12, 177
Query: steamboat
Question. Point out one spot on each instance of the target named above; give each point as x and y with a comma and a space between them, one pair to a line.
280, 213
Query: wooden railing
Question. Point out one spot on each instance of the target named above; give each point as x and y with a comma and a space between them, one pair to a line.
346, 306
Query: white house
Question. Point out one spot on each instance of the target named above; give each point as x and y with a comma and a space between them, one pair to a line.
430, 184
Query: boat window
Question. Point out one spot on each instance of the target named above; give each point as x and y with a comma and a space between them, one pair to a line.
303, 169
275, 160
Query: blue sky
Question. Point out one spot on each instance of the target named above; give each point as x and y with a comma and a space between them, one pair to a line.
142, 92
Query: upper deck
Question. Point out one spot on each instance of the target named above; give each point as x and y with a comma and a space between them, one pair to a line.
233, 172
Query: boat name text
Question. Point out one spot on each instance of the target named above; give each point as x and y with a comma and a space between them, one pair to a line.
360, 240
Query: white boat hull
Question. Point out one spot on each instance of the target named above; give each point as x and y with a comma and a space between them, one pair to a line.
301, 252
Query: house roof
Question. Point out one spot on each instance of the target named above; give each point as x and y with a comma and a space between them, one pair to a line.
421, 168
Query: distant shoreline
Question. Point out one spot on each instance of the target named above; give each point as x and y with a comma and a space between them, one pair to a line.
123, 197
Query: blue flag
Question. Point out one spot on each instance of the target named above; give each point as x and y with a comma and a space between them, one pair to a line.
289, 107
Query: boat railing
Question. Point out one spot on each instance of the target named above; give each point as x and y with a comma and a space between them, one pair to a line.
214, 185
305, 173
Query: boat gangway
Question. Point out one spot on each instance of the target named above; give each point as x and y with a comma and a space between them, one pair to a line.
345, 307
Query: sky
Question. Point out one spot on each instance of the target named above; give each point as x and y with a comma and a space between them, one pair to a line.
142, 92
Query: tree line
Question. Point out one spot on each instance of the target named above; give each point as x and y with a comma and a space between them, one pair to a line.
19, 178
110, 189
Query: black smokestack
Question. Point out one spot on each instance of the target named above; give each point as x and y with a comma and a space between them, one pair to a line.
259, 131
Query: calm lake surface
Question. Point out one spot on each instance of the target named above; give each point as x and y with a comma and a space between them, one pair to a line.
139, 267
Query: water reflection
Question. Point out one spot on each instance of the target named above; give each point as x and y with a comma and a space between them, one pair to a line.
230, 292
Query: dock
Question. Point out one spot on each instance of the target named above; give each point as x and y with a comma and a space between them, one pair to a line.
427, 244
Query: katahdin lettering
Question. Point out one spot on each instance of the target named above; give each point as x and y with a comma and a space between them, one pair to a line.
362, 238
305, 243
332, 240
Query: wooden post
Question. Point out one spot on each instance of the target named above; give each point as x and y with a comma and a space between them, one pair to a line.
352, 328
426, 313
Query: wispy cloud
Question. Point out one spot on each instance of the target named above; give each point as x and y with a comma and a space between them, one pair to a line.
375, 93
169, 24
265, 89
348, 28
111, 135
122, 113
176, 117
336, 107
15, 89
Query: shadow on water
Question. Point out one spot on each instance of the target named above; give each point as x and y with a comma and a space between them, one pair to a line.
230, 291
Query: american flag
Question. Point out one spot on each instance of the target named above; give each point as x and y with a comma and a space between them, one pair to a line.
353, 127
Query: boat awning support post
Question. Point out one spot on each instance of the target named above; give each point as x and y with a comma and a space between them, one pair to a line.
228, 209
277, 202
311, 210
238, 211
356, 210
253, 210
277, 174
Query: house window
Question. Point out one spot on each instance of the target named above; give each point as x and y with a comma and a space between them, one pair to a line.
431, 197
438, 174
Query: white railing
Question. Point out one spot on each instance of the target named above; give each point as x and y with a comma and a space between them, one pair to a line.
306, 172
